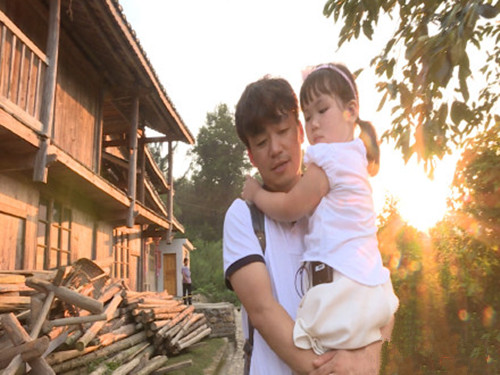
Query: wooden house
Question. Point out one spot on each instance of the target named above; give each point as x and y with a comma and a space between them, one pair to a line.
77, 95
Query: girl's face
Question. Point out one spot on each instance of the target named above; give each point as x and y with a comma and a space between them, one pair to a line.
328, 120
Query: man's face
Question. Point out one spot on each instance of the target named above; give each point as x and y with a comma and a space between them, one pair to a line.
277, 154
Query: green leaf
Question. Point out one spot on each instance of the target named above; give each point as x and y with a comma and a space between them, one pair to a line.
367, 29
458, 112
406, 96
382, 101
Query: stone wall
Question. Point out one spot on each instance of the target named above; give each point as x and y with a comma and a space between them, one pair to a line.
220, 317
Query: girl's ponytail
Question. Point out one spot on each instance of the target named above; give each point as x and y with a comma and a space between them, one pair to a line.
369, 137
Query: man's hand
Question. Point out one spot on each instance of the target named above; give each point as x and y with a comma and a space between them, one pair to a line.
364, 361
250, 188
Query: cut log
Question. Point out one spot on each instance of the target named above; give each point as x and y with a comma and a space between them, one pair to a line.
100, 353
194, 339
29, 350
121, 357
169, 368
44, 311
13, 303
117, 335
19, 287
19, 336
153, 364
96, 327
127, 367
185, 327
12, 279
67, 295
66, 355
75, 320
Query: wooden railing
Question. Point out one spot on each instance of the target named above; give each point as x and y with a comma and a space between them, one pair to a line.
22, 67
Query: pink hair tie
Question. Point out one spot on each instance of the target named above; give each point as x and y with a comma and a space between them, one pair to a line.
333, 67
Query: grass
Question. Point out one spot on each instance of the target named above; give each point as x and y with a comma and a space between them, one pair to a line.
202, 355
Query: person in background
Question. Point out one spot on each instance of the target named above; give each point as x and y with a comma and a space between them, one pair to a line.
267, 123
345, 277
186, 283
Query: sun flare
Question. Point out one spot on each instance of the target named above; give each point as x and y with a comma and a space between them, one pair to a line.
421, 201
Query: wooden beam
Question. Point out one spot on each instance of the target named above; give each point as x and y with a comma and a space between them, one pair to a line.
123, 142
142, 173
170, 181
132, 178
115, 142
115, 160
49, 91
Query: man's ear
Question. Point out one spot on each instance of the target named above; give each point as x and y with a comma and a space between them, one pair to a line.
301, 132
250, 156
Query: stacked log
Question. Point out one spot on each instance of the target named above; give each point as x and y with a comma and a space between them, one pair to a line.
69, 322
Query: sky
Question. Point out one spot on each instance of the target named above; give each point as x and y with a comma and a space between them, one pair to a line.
206, 51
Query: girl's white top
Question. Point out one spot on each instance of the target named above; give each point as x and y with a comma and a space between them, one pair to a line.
342, 231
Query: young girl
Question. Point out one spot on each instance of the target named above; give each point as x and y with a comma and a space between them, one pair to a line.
350, 297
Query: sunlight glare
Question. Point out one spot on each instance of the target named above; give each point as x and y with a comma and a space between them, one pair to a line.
422, 202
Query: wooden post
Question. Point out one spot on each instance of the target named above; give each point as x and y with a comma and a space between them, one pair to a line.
49, 91
170, 208
142, 171
132, 163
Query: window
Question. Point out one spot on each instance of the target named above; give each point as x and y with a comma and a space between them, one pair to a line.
53, 235
121, 245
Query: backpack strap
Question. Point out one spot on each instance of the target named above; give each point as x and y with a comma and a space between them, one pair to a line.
258, 224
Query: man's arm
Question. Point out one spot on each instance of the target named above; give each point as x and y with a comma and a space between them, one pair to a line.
363, 361
253, 287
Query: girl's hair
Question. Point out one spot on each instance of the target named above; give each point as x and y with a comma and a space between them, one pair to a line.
337, 80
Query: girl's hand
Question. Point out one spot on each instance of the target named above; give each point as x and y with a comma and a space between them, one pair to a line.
250, 188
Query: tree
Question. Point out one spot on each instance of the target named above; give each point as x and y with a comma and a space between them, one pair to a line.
477, 186
218, 166
161, 161
425, 68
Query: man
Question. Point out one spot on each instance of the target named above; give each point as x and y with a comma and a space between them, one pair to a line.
186, 283
267, 123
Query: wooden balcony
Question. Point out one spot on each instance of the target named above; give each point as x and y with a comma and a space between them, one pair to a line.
22, 67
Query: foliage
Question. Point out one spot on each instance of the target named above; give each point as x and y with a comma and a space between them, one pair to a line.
161, 161
207, 272
425, 67
200, 203
219, 164
447, 283
477, 185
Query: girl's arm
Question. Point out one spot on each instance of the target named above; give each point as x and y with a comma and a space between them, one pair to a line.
290, 206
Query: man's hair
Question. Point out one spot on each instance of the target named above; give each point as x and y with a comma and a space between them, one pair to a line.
266, 101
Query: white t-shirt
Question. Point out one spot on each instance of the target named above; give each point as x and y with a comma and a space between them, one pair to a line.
342, 231
284, 251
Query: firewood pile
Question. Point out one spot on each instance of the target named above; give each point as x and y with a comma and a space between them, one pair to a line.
79, 321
